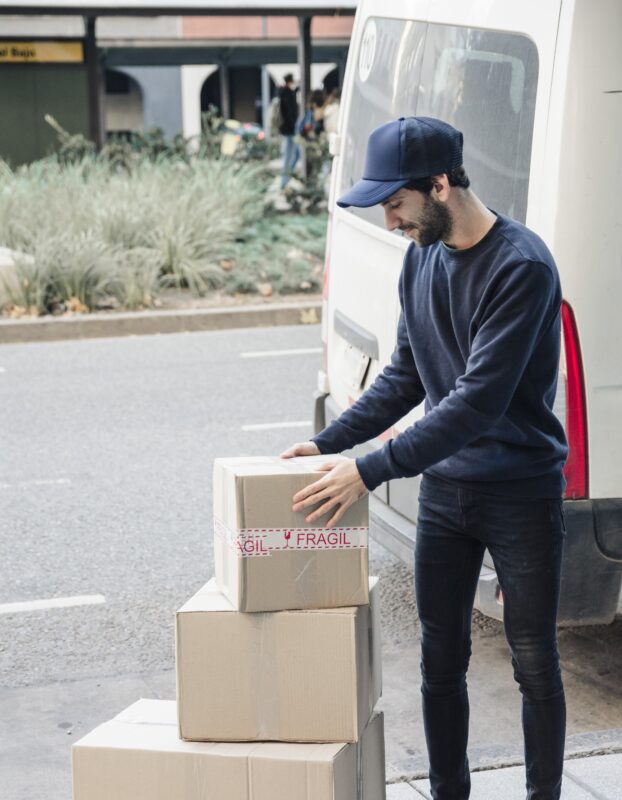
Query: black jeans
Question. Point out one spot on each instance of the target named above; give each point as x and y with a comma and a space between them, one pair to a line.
525, 540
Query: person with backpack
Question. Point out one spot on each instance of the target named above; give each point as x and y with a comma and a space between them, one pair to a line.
288, 108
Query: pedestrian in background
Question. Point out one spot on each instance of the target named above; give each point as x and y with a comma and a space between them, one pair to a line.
331, 112
311, 123
316, 105
289, 116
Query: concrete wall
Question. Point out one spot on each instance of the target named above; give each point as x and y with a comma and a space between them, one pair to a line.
162, 97
263, 27
124, 112
138, 27
192, 80
322, 27
106, 28
41, 26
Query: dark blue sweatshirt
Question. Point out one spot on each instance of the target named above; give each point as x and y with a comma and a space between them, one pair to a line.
479, 339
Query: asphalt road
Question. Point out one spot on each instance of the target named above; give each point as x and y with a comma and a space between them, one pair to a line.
105, 490
106, 482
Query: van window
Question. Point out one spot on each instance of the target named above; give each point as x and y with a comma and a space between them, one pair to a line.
385, 87
482, 82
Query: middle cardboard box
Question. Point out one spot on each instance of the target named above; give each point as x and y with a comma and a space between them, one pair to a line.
291, 676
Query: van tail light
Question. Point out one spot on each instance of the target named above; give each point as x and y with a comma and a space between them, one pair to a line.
576, 469
325, 296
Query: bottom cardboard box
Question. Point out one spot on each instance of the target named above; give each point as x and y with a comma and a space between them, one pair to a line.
138, 756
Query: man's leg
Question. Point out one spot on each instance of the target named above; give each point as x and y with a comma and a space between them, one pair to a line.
447, 566
287, 142
295, 155
525, 541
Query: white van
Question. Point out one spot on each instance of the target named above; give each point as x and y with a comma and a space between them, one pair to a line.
536, 88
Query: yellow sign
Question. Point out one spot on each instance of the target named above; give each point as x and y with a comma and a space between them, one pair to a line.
41, 52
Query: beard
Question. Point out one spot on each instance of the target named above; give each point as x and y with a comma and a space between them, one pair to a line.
435, 222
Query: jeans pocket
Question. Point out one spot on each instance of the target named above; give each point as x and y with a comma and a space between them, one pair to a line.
563, 516
558, 519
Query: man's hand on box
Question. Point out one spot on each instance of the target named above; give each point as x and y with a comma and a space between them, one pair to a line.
302, 449
339, 488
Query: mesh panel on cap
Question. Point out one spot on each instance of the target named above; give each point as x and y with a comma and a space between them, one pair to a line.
429, 147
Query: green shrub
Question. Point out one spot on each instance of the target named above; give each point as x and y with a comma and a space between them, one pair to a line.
89, 227
144, 215
30, 288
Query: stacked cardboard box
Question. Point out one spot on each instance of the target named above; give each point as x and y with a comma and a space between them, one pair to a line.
278, 663
267, 557
138, 756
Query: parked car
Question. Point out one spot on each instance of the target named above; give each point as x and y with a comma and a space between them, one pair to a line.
535, 87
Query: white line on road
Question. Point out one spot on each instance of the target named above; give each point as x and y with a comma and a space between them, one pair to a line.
266, 353
266, 426
52, 602
49, 482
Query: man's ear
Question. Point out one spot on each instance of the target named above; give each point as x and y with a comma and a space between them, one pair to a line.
440, 187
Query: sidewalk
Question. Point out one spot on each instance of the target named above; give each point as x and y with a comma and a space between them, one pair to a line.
591, 778
39, 768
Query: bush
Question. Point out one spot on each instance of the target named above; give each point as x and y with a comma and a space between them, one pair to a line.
144, 215
94, 232
285, 251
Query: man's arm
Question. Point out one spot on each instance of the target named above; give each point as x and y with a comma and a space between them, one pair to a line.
523, 307
396, 391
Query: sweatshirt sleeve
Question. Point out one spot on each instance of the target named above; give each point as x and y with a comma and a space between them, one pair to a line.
523, 305
395, 391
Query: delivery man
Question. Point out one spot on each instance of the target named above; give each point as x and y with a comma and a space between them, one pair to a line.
478, 340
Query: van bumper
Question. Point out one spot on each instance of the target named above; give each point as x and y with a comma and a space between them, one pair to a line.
592, 560
591, 566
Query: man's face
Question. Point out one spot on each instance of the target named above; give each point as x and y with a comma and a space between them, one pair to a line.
419, 216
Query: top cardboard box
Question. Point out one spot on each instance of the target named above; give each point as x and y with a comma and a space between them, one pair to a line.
267, 557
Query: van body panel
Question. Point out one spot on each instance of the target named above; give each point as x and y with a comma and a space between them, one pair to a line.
363, 260
533, 18
361, 263
586, 235
557, 70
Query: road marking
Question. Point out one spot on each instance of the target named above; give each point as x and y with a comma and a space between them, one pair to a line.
52, 602
267, 353
267, 426
49, 482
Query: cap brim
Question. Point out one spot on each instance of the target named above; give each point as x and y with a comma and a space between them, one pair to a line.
366, 193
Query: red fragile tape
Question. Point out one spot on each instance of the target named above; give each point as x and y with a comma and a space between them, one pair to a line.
264, 541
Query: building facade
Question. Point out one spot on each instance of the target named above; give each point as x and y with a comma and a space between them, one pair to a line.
156, 72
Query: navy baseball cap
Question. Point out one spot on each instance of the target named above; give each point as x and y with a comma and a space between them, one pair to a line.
399, 151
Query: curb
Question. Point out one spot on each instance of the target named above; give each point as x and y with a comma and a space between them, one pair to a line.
142, 323
491, 757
